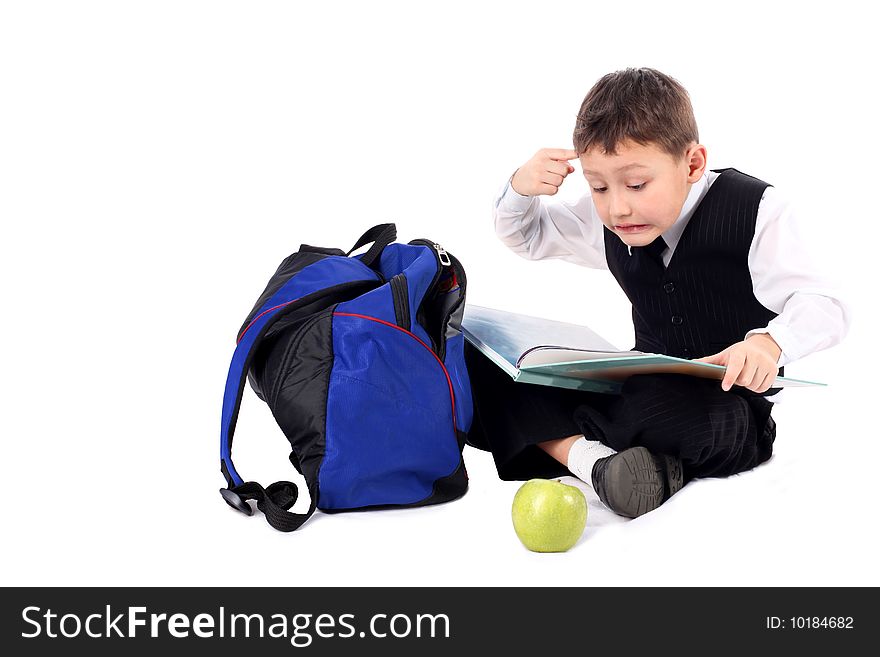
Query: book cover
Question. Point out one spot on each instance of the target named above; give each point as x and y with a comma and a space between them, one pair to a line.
548, 352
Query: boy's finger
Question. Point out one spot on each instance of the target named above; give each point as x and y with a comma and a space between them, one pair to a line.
729, 378
749, 376
767, 382
757, 381
561, 168
562, 154
734, 367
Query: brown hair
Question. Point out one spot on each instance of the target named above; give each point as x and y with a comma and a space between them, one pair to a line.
639, 104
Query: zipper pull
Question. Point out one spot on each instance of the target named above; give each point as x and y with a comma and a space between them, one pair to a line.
444, 257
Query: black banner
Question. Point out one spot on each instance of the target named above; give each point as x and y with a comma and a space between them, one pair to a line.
325, 621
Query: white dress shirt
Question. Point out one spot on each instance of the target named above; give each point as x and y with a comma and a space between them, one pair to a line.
811, 314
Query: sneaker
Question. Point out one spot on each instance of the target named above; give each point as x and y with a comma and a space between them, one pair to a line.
634, 481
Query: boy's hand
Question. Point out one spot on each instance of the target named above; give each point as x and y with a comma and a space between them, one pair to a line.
750, 363
544, 173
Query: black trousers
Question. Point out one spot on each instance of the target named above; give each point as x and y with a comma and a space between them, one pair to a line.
715, 433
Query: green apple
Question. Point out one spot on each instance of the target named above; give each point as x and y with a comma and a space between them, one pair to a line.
549, 516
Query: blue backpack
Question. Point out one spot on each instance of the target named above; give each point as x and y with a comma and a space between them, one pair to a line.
361, 361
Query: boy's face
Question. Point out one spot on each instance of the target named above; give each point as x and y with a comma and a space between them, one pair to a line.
639, 192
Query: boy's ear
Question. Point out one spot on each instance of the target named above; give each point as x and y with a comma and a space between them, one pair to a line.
696, 162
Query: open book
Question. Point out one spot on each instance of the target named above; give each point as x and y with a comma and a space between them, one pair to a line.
547, 352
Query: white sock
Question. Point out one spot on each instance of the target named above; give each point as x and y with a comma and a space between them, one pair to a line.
583, 455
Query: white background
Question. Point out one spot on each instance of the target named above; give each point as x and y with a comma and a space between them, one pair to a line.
159, 159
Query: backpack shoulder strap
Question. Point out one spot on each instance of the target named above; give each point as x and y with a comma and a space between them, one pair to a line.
275, 500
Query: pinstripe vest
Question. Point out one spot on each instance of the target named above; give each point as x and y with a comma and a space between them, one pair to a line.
703, 301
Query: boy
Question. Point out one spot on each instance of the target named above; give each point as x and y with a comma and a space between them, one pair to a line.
712, 266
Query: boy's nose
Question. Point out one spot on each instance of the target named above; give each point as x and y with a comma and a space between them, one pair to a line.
618, 207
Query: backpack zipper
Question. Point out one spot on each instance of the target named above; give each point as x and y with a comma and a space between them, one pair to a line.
445, 260
441, 253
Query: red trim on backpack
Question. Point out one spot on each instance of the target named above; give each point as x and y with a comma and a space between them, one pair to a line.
436, 357
268, 310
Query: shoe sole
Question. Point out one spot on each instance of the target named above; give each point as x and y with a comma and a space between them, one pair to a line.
635, 482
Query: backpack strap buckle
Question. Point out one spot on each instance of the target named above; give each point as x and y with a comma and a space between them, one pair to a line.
236, 502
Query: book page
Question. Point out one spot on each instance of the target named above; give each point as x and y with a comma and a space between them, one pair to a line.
550, 355
511, 335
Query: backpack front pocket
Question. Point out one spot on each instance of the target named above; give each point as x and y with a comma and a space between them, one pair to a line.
390, 429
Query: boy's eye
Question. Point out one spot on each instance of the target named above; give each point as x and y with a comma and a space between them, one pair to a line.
636, 188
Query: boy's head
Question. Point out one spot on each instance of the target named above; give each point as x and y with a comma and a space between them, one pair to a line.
639, 148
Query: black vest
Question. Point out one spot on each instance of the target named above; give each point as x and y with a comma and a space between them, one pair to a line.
703, 301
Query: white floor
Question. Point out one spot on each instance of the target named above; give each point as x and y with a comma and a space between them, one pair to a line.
147, 512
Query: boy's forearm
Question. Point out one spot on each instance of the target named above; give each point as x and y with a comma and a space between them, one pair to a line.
514, 217
538, 230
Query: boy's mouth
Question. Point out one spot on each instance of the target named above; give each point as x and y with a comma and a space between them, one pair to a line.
632, 228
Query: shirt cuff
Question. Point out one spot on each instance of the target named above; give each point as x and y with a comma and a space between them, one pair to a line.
781, 336
512, 200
